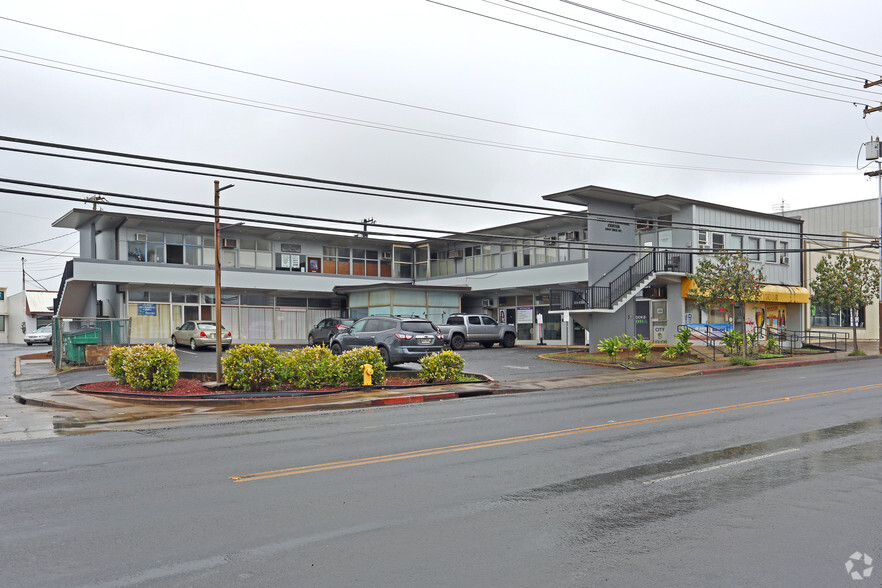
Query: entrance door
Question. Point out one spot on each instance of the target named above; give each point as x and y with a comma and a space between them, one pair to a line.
641, 319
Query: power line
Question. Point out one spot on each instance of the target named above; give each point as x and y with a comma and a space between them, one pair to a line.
436, 198
250, 103
644, 57
388, 101
725, 32
782, 28
465, 238
705, 42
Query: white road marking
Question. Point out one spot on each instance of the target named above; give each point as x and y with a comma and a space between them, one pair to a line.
471, 416
187, 352
517, 367
722, 465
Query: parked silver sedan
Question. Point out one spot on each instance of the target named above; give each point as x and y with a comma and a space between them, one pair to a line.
198, 334
41, 335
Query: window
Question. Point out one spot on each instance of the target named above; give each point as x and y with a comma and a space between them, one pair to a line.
823, 316
784, 252
488, 321
702, 240
643, 224
335, 260
2, 321
753, 245
736, 243
771, 254
717, 241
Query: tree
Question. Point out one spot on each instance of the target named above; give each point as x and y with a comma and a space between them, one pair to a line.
725, 279
846, 283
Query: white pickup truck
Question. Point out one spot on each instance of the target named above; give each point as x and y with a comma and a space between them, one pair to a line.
476, 328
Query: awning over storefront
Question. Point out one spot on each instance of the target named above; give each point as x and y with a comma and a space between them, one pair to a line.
768, 293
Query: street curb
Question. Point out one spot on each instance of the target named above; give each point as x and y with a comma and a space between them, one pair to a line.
788, 364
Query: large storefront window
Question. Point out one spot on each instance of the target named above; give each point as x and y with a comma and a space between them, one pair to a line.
824, 316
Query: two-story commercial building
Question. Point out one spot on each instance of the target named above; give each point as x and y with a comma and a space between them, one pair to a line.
618, 266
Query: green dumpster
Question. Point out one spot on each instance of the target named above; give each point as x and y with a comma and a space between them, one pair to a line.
75, 343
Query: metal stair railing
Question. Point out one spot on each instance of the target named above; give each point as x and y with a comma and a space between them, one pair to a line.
606, 297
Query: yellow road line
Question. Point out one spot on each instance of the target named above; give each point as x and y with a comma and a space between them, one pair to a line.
536, 436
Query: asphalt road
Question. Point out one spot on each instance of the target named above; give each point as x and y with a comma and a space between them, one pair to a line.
756, 478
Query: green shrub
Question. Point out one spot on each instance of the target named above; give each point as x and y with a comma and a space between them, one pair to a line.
683, 346
150, 367
738, 360
732, 340
445, 366
253, 367
352, 360
610, 346
641, 347
116, 363
310, 367
772, 345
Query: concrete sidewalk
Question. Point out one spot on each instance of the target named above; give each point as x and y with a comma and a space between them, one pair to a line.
88, 408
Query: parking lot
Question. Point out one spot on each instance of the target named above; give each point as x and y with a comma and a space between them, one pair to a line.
516, 363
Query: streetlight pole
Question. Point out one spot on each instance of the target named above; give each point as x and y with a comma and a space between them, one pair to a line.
218, 345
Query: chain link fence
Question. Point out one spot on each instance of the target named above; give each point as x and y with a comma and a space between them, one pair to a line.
87, 341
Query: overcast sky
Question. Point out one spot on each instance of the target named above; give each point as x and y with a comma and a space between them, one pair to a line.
564, 101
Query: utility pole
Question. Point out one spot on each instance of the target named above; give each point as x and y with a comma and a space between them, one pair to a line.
218, 346
873, 150
365, 223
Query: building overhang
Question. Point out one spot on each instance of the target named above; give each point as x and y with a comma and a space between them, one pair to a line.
768, 293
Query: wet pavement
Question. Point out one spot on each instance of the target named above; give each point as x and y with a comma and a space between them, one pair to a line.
42, 403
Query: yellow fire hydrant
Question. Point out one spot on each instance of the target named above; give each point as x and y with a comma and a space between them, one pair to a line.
367, 370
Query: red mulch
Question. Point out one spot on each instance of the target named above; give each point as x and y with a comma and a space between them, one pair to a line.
196, 388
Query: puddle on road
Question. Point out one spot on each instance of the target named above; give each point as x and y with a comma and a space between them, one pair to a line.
598, 509
701, 460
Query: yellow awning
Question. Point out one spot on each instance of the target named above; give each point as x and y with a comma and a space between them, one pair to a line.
768, 293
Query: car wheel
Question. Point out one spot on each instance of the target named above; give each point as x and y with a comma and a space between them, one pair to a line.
336, 349
457, 342
384, 353
29, 343
310, 341
487, 344
174, 342
193, 345
225, 347
508, 340
49, 342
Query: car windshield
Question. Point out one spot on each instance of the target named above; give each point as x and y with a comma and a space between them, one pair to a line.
418, 326
46, 329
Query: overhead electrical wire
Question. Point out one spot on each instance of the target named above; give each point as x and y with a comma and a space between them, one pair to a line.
643, 57
706, 42
241, 101
578, 245
397, 103
440, 234
408, 194
780, 27
737, 36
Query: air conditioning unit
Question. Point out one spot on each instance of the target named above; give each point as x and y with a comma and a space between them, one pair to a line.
785, 260
486, 303
572, 235
230, 243
140, 236
455, 254
387, 255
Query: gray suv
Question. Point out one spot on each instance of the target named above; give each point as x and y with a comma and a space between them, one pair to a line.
399, 339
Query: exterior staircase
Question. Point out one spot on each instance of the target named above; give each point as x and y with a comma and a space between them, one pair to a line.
622, 288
